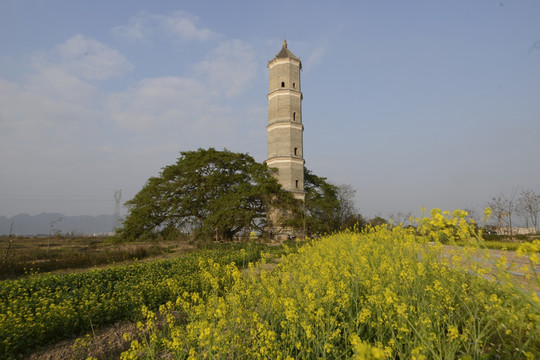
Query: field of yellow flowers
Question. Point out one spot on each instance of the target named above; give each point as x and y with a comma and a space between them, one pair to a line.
42, 309
380, 293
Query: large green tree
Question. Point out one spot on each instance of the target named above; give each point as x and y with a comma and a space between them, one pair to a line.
322, 206
328, 207
209, 191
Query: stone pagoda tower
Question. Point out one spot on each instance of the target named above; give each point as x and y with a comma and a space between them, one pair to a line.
285, 129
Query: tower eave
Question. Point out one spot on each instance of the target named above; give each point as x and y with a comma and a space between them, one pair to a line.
285, 53
284, 58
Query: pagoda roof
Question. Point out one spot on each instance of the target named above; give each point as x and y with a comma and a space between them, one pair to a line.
285, 53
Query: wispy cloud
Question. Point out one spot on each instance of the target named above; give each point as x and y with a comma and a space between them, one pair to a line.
30, 115
180, 24
183, 25
158, 104
54, 116
64, 79
40, 131
228, 68
317, 54
174, 110
534, 47
61, 118
136, 29
86, 58
57, 83
59, 95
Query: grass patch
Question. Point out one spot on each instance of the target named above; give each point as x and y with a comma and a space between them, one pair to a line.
31, 255
495, 245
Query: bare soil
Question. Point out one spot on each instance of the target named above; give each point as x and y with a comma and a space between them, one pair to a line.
106, 343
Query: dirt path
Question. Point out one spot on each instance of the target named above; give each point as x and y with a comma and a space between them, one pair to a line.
513, 264
106, 343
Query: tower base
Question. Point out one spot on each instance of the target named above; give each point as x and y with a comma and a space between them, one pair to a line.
279, 226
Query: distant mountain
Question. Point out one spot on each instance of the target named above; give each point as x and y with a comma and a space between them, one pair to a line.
24, 224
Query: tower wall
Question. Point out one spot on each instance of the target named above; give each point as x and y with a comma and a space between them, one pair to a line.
285, 128
286, 74
285, 105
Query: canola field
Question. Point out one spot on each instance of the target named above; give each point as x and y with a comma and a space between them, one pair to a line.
382, 293
43, 309
378, 293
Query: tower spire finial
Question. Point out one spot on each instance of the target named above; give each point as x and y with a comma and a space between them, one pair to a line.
285, 43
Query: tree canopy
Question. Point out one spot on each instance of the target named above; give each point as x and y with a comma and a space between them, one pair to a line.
208, 191
322, 206
329, 207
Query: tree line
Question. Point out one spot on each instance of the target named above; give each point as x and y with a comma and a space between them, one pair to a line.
526, 205
221, 194
211, 194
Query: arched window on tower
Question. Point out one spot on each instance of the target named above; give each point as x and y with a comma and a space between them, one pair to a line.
297, 184
295, 151
294, 116
294, 85
283, 84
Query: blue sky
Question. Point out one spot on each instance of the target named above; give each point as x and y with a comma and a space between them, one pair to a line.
413, 103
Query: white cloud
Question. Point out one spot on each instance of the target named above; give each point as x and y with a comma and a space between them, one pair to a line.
134, 31
180, 24
154, 104
64, 132
83, 58
229, 68
172, 110
317, 54
52, 117
55, 103
28, 115
43, 135
90, 59
59, 87
183, 25
188, 107
55, 82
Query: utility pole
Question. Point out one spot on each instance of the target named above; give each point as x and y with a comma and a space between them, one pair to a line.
52, 225
10, 240
51, 231
117, 199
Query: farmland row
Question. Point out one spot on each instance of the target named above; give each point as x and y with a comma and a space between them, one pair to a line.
43, 309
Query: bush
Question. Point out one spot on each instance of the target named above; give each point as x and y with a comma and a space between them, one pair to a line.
494, 237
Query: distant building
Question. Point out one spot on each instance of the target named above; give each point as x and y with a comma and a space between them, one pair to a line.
515, 231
